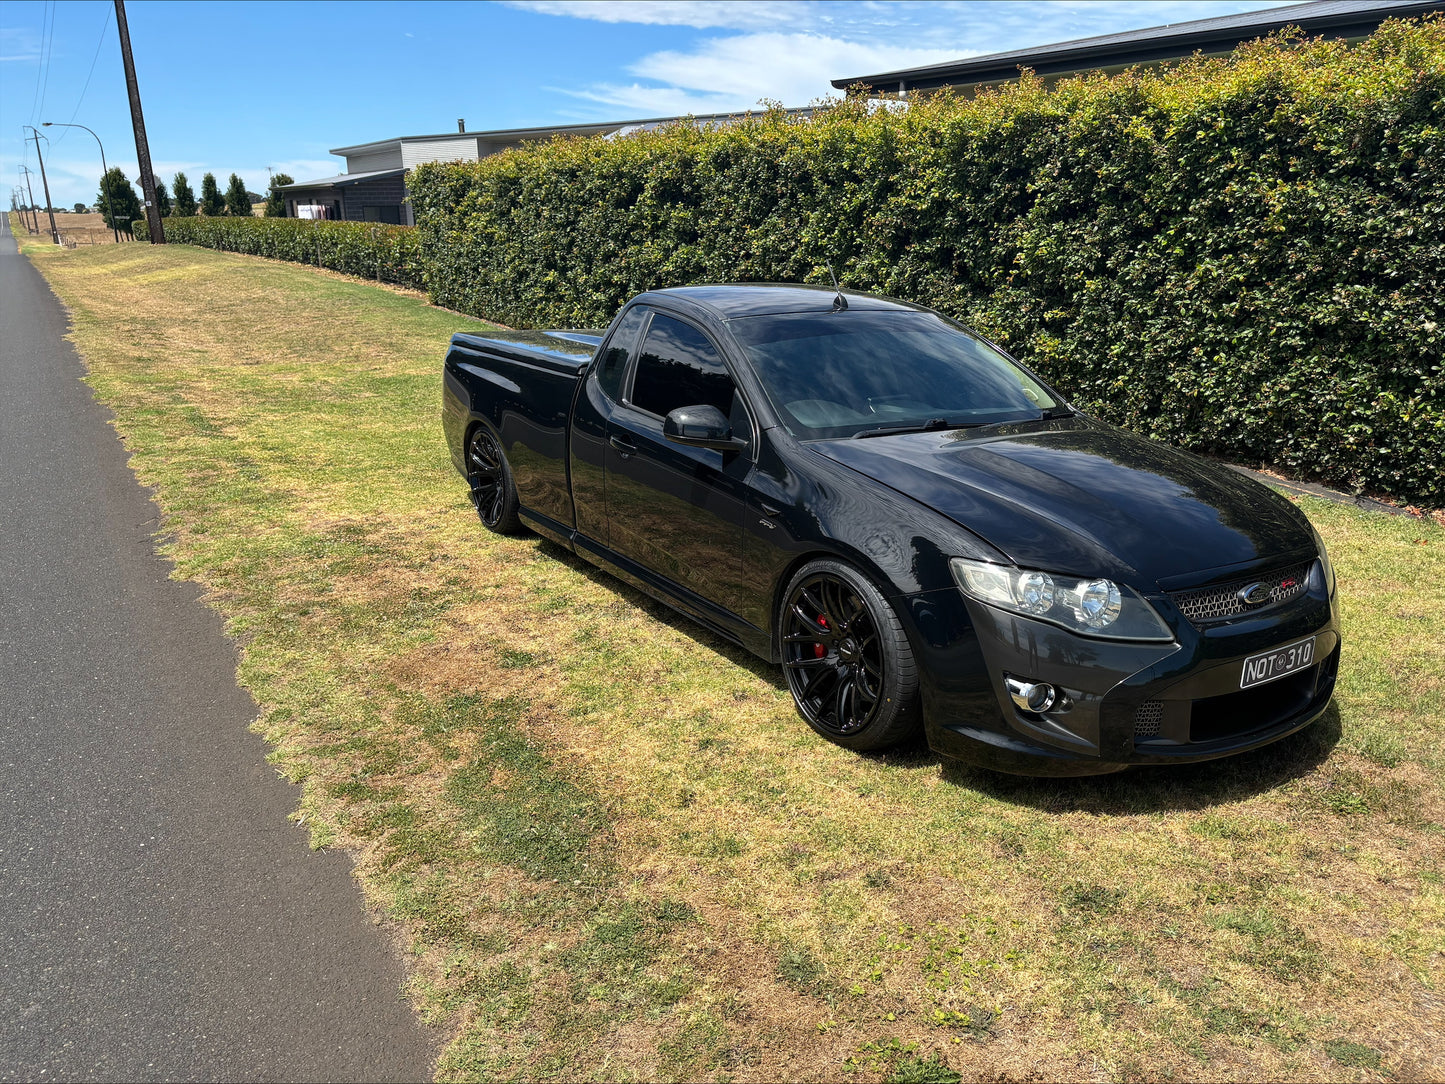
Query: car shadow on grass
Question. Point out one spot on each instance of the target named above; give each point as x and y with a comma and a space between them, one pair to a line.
1141, 790
666, 615
1168, 788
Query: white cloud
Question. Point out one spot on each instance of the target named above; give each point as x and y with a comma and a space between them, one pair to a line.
723, 74
791, 67
700, 14
637, 102
19, 44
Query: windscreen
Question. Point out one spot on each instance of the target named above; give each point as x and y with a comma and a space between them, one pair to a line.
840, 374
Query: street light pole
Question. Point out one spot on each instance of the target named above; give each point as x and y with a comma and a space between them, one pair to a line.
49, 210
104, 169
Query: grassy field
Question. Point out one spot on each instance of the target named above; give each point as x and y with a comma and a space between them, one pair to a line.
83, 229
614, 852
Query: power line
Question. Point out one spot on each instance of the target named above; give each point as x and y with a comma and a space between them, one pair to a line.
104, 26
35, 98
49, 49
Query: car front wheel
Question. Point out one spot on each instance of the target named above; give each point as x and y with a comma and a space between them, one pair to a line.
847, 659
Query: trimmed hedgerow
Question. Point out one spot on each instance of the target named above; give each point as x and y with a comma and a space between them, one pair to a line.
370, 249
1245, 256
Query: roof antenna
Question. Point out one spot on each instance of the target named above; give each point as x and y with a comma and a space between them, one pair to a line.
840, 302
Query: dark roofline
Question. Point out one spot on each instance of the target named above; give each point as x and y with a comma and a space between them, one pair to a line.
341, 180
1221, 34
591, 128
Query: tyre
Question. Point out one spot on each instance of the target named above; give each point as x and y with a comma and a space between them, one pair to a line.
490, 477
848, 662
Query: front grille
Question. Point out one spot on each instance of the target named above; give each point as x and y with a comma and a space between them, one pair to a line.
1201, 605
1147, 719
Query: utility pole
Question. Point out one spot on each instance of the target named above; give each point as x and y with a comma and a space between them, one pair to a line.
142, 147
49, 210
36, 227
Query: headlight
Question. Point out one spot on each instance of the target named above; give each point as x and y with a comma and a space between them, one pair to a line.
1325, 562
1089, 607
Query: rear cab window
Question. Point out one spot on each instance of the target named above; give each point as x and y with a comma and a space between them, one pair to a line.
613, 365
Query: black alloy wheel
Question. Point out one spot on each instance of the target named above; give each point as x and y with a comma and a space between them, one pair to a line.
848, 663
493, 492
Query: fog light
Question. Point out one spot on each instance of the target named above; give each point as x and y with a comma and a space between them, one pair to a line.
1037, 697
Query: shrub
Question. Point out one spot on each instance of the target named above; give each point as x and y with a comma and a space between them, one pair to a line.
1245, 256
370, 249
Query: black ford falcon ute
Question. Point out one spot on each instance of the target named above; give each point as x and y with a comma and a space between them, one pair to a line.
921, 531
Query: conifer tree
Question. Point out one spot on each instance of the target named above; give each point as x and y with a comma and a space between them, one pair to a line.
117, 200
163, 199
184, 197
276, 200
238, 202
212, 205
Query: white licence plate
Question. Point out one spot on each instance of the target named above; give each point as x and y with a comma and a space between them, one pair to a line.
1270, 665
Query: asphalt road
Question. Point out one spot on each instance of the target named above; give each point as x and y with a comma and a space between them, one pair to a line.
160, 918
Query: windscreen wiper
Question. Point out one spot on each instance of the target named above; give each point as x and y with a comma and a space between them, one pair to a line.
920, 427
1056, 412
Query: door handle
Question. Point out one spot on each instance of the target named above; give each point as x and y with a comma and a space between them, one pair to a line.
624, 446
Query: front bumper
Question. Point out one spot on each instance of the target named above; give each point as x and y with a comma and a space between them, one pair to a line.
1128, 704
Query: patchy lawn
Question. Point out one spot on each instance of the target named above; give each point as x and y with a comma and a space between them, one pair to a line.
615, 851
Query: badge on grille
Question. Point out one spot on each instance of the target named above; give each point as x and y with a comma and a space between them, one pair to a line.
1254, 595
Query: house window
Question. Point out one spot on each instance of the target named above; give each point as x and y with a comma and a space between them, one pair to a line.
372, 212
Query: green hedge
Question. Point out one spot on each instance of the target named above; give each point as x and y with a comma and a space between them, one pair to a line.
370, 249
1245, 256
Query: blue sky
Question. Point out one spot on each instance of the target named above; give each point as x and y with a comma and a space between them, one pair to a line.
246, 86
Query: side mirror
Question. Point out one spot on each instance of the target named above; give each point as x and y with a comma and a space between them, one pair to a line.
701, 426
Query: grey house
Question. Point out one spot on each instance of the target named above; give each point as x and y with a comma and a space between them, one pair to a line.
373, 188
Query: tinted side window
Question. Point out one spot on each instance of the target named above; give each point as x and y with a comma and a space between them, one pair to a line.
679, 367
619, 349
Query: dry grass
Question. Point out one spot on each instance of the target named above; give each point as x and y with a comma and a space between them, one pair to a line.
75, 230
616, 853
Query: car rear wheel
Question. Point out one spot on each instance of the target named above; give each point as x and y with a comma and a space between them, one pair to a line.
493, 492
848, 662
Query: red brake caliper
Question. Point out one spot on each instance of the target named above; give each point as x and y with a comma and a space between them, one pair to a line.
818, 649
